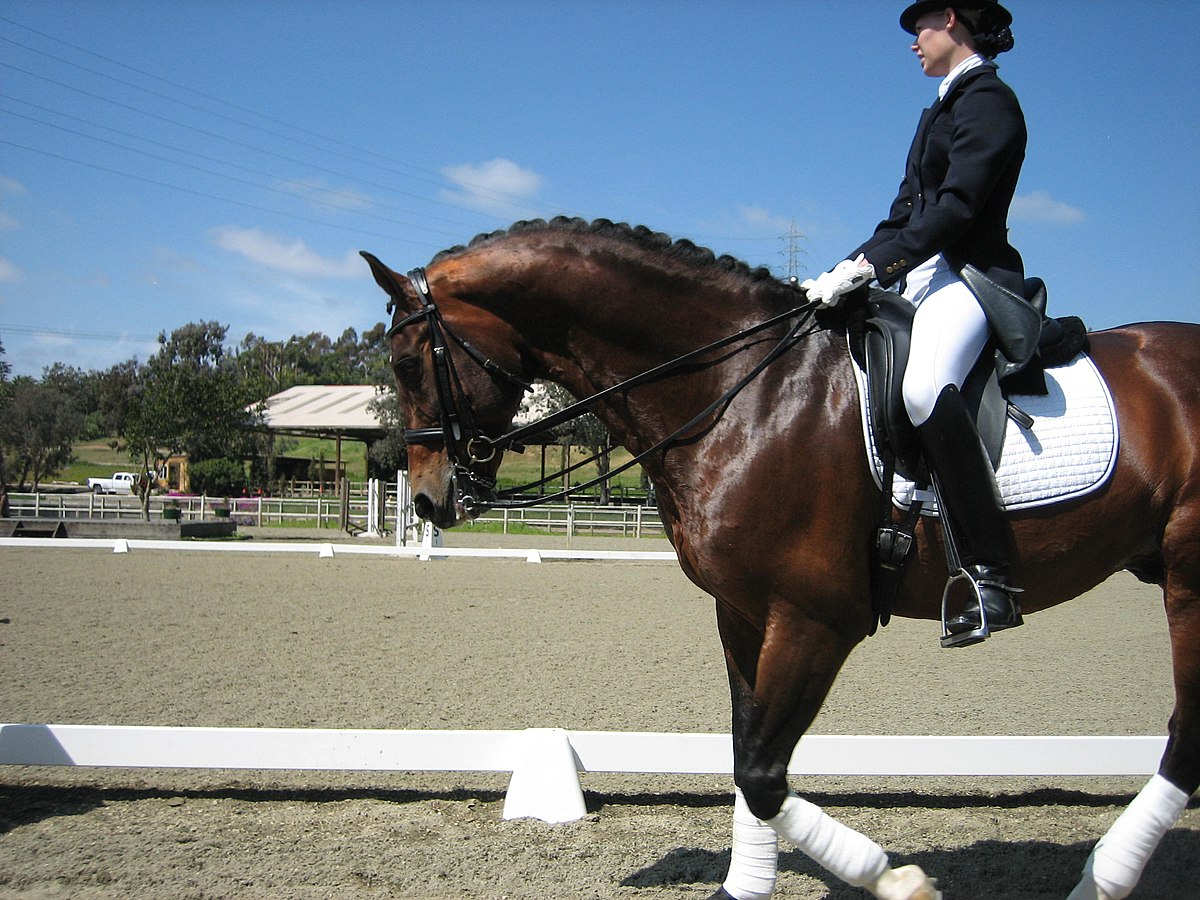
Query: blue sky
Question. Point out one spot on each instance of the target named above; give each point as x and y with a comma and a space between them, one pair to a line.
169, 162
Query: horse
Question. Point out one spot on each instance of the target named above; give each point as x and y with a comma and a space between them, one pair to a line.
754, 448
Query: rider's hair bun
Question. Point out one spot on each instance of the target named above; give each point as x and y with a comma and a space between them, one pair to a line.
994, 42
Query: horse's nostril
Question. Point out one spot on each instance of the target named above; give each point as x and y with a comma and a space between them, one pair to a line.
423, 506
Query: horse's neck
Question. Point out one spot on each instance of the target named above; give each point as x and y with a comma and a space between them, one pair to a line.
588, 322
621, 325
597, 325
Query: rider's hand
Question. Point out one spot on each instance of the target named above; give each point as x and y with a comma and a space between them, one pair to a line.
828, 287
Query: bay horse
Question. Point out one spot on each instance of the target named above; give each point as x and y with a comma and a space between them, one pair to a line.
767, 497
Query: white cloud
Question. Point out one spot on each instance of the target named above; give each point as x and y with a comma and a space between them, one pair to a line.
11, 186
499, 187
322, 194
276, 306
290, 255
760, 217
9, 273
1041, 207
15, 189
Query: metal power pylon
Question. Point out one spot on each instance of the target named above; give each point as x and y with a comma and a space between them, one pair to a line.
793, 250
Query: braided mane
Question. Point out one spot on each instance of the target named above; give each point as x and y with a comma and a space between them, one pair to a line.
637, 236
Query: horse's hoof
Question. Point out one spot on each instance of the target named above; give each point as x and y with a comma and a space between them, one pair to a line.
721, 894
905, 883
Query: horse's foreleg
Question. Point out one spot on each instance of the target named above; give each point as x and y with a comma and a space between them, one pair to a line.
1113, 869
753, 859
794, 667
1115, 865
753, 863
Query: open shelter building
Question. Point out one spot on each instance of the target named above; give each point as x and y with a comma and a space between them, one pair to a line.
338, 412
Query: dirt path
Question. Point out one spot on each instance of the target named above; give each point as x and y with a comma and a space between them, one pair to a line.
155, 638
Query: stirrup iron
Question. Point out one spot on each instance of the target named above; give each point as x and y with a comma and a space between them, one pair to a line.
984, 630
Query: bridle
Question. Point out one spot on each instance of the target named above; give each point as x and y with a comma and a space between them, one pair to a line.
467, 446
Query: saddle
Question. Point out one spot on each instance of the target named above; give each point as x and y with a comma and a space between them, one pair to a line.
879, 326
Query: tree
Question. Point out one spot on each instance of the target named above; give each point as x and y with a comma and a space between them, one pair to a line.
389, 453
5, 369
148, 430
38, 429
80, 386
189, 398
268, 367
274, 366
586, 431
111, 390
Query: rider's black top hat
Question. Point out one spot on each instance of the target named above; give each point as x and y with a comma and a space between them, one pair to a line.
994, 15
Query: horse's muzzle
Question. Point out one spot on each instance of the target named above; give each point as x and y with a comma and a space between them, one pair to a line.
465, 497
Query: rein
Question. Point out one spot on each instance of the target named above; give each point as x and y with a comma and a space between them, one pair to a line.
462, 439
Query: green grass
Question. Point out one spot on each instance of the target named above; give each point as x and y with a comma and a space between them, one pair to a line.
94, 459
496, 526
518, 469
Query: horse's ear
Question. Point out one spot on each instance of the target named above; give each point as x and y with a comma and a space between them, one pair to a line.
392, 283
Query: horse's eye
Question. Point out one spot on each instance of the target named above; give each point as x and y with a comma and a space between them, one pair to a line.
408, 370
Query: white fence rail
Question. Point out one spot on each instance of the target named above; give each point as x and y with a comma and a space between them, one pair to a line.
329, 511
423, 551
545, 762
321, 511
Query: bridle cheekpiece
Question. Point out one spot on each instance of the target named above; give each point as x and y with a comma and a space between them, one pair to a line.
466, 445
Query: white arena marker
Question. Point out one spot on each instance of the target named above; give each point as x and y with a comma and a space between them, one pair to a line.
533, 556
326, 552
545, 778
121, 546
431, 539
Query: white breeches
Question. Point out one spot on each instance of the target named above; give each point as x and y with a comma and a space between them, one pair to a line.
949, 332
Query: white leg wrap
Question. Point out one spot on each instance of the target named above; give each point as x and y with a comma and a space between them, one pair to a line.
753, 867
1113, 869
852, 857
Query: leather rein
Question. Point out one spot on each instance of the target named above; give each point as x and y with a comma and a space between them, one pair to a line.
466, 445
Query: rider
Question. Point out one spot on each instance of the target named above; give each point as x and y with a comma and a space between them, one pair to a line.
952, 210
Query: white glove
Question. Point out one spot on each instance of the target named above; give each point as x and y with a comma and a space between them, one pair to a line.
828, 287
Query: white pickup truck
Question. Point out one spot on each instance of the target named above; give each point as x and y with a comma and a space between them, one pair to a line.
120, 483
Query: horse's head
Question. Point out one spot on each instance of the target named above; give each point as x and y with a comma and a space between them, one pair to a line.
459, 381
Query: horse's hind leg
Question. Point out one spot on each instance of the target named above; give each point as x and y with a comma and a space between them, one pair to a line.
792, 671
1115, 865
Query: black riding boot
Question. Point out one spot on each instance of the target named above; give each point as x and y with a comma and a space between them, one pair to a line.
971, 509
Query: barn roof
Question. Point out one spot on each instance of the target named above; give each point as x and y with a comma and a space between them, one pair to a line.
344, 409
321, 409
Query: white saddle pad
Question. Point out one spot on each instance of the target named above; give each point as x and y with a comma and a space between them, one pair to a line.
1070, 451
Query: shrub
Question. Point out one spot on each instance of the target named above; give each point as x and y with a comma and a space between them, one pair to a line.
218, 477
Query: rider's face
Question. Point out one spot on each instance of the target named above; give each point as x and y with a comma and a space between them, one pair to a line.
934, 44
